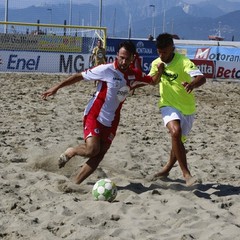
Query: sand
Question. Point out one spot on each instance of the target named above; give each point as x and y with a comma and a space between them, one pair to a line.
39, 200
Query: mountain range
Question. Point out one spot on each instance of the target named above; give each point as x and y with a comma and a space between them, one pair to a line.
142, 17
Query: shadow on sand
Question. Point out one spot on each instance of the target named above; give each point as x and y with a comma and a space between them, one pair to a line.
201, 190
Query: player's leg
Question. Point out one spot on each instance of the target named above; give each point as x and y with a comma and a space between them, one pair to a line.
89, 149
169, 114
179, 149
91, 165
107, 135
167, 167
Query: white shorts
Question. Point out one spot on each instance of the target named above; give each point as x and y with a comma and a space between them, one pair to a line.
186, 121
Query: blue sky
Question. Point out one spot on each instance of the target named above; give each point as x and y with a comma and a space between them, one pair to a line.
27, 3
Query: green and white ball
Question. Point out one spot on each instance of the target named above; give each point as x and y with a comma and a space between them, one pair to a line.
104, 190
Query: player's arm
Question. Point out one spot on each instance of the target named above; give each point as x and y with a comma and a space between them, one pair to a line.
157, 77
67, 82
197, 81
149, 79
197, 77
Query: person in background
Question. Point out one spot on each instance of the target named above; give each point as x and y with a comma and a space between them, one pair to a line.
98, 56
102, 114
177, 103
150, 37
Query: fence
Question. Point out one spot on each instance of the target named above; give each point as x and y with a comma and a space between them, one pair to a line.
49, 48
28, 47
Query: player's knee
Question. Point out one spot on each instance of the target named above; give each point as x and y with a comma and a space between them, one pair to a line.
92, 151
176, 133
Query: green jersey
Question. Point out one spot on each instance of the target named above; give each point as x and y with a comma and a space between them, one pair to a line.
172, 93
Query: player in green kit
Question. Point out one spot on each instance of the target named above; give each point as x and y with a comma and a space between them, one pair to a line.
177, 101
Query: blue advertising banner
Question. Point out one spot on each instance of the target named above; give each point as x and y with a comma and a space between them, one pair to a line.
145, 48
206, 57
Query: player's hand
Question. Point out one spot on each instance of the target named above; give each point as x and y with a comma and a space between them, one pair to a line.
188, 86
161, 67
48, 93
157, 77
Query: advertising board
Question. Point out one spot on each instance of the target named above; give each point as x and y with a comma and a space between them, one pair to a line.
62, 54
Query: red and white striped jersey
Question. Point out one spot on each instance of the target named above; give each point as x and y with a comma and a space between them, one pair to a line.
112, 89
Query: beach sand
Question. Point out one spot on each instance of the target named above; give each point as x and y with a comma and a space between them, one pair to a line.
39, 200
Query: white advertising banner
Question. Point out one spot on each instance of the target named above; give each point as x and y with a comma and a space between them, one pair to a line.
22, 61
227, 70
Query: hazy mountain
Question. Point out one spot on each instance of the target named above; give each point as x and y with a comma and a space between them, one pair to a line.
188, 21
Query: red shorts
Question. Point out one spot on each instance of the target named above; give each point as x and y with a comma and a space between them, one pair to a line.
91, 127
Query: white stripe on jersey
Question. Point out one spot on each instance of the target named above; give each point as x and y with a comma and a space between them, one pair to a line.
112, 90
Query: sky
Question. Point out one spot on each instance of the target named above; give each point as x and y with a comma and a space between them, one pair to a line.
28, 3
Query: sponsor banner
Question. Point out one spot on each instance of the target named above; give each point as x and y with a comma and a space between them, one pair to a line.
60, 43
18, 42
145, 48
49, 43
206, 67
227, 70
20, 61
213, 61
222, 54
212, 53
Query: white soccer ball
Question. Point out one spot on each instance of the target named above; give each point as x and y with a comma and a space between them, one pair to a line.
104, 190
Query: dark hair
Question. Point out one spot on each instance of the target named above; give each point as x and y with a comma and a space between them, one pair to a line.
164, 40
129, 46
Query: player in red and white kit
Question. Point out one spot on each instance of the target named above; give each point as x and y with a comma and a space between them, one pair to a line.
102, 114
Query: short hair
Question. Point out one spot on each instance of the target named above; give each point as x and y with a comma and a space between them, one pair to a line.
164, 40
129, 46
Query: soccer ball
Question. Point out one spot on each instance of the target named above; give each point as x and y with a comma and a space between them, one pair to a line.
104, 190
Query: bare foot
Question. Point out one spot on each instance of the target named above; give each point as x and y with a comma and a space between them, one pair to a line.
160, 175
65, 157
190, 181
